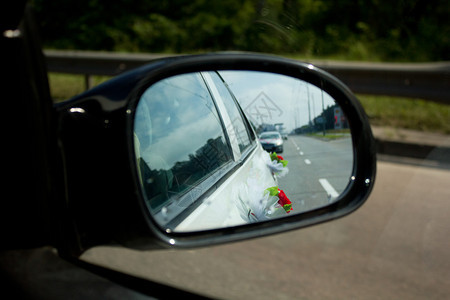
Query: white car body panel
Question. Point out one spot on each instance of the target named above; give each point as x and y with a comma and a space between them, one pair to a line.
222, 208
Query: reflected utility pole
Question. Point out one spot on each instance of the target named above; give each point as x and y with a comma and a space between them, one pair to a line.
323, 114
309, 107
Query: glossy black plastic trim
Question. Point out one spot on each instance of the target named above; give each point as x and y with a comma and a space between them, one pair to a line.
105, 204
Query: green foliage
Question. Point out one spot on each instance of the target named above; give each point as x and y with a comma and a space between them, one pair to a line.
362, 30
273, 191
407, 113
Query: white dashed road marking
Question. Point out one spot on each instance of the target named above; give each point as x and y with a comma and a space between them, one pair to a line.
328, 188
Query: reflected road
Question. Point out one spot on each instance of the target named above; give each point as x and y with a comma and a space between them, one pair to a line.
319, 170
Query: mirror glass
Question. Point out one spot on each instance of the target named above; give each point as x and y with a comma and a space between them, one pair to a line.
226, 148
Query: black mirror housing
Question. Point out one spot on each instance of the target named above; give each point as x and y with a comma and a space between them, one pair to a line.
104, 202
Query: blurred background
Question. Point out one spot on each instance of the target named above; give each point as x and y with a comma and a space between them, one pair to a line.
373, 30
369, 31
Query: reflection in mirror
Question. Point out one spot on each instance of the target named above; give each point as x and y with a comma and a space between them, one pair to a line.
221, 149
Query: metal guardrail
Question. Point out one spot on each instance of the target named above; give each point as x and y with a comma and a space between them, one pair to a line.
429, 81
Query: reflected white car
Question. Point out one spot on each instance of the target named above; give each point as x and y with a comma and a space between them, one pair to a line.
271, 141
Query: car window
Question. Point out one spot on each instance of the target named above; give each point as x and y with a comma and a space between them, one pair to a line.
180, 140
238, 128
270, 136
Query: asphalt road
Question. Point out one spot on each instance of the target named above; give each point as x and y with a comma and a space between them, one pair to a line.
394, 247
319, 170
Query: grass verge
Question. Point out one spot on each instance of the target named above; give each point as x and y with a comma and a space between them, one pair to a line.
407, 113
65, 86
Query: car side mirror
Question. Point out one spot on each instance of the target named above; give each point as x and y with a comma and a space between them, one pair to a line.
193, 151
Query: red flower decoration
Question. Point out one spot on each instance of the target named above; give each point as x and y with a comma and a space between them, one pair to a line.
284, 201
278, 158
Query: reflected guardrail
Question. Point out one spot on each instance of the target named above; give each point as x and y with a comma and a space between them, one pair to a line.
429, 81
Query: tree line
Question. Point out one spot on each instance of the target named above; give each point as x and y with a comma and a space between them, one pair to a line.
404, 30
